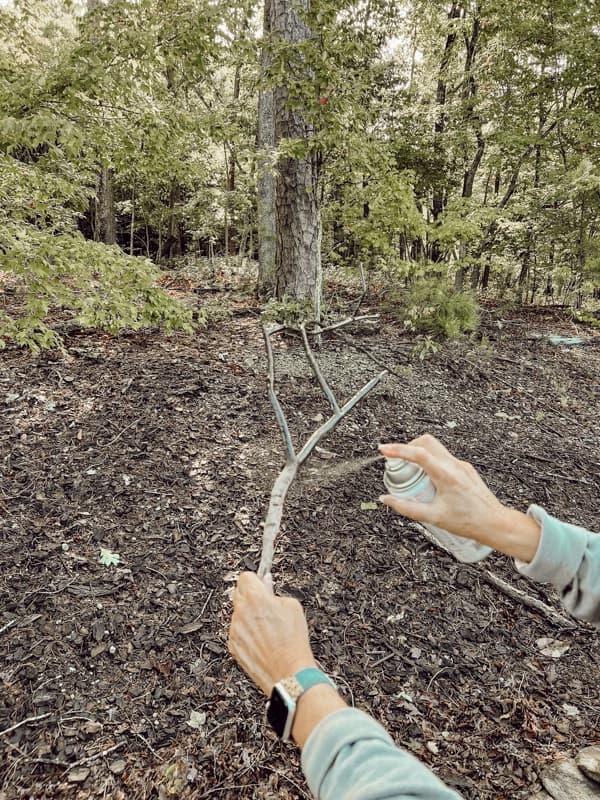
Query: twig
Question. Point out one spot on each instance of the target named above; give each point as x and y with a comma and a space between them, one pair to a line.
149, 746
363, 318
118, 436
370, 356
281, 420
527, 600
509, 590
364, 290
93, 757
315, 368
8, 625
335, 418
24, 722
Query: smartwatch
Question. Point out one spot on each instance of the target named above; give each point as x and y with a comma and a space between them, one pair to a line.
281, 708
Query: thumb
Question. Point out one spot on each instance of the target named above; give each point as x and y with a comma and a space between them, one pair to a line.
408, 508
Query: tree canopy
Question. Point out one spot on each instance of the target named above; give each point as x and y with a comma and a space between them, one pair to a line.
453, 142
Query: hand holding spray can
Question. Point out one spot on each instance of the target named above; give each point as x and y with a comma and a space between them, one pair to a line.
407, 480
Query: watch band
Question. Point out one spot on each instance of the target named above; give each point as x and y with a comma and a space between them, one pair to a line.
305, 679
281, 708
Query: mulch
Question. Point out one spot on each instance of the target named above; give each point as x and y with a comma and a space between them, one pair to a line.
115, 680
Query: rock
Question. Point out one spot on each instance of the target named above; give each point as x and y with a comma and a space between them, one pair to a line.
588, 761
117, 767
564, 781
78, 775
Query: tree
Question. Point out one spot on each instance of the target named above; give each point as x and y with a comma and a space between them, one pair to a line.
298, 218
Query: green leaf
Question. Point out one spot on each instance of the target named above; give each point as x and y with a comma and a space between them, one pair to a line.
108, 558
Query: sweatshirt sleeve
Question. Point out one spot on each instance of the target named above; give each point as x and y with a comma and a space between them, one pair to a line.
568, 557
349, 756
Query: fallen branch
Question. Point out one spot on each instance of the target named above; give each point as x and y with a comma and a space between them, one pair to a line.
295, 460
509, 590
527, 600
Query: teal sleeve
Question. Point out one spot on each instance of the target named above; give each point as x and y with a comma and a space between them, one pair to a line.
349, 756
568, 557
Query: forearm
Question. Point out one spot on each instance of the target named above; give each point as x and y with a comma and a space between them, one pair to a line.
513, 533
568, 557
349, 755
312, 707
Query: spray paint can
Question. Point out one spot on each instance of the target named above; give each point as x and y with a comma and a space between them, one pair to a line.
408, 480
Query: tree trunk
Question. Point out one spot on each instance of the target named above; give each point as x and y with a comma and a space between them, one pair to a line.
175, 240
266, 213
440, 123
106, 227
298, 217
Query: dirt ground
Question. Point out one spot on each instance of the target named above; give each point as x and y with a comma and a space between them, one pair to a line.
115, 680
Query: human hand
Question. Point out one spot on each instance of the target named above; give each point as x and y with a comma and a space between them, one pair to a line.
268, 635
463, 504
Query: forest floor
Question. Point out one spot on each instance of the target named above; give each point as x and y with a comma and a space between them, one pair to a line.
115, 681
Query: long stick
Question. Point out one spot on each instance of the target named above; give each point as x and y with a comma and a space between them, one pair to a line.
293, 462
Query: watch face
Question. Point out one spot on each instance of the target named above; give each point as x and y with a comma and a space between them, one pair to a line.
277, 714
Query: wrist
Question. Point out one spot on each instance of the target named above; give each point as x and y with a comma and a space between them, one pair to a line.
312, 707
290, 664
516, 534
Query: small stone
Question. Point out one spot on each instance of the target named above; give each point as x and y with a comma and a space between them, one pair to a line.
117, 767
171, 588
78, 775
564, 781
588, 761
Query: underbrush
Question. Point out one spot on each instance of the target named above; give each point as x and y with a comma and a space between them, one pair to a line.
433, 307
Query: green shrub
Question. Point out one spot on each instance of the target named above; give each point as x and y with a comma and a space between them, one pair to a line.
54, 267
433, 307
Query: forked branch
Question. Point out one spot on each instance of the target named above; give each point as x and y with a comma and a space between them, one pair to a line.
294, 461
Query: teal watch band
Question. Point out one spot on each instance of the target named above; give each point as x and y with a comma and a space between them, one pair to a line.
311, 676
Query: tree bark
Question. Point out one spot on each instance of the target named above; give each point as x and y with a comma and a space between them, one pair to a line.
106, 227
298, 217
438, 201
266, 212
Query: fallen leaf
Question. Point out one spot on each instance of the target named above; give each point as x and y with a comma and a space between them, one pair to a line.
570, 711
197, 720
191, 627
553, 648
368, 506
108, 558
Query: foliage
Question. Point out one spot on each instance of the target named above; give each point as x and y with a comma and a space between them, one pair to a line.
433, 307
462, 144
425, 347
288, 311
57, 268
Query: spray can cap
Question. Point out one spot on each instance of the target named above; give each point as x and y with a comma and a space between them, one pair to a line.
399, 472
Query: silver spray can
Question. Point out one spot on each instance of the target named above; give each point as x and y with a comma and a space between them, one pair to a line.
408, 480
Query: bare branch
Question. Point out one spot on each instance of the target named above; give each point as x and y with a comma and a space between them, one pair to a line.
335, 418
532, 602
364, 290
317, 371
293, 462
363, 318
267, 333
274, 514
